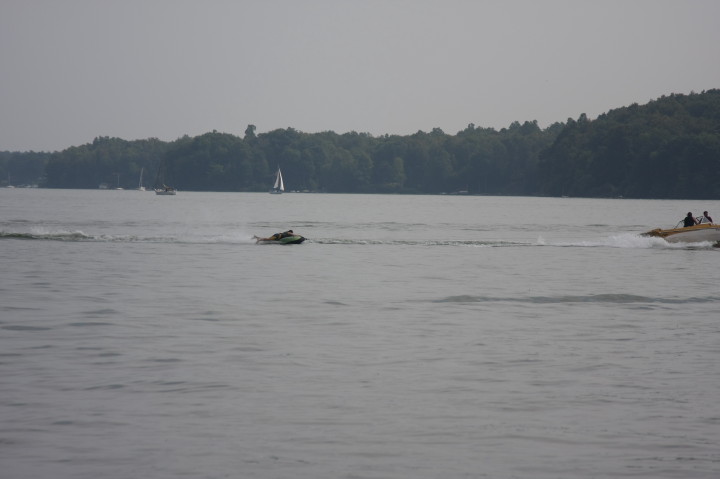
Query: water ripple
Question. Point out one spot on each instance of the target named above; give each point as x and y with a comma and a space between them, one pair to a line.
20, 327
595, 298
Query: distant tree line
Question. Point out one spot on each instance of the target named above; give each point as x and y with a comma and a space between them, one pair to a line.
22, 168
668, 148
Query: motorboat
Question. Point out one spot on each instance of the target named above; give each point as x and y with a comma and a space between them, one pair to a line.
160, 187
165, 190
688, 234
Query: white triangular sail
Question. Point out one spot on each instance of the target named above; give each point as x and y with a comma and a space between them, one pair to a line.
279, 186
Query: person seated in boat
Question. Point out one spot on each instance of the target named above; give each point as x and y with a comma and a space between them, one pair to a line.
706, 218
689, 220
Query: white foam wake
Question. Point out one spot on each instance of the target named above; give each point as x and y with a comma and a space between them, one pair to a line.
630, 240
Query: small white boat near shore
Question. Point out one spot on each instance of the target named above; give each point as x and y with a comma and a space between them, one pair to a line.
165, 190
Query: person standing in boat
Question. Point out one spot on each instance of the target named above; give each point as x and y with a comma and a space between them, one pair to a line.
706, 218
689, 220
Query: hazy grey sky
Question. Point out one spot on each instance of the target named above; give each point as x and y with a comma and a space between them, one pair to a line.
72, 70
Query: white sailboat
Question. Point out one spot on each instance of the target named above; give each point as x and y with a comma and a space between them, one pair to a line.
278, 187
140, 185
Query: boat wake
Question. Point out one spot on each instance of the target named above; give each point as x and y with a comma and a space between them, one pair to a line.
239, 238
627, 240
467, 243
59, 236
631, 241
79, 236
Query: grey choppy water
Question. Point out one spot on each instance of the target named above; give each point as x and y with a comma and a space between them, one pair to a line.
409, 337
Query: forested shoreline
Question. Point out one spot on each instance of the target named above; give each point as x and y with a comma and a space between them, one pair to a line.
667, 148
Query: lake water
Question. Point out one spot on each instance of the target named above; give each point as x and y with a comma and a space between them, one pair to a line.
146, 336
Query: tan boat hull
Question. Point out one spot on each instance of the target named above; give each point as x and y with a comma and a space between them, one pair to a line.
691, 234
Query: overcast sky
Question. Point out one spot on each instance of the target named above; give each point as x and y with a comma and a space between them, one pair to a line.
72, 70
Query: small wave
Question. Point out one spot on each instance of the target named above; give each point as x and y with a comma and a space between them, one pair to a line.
20, 327
83, 324
617, 298
79, 236
106, 386
62, 236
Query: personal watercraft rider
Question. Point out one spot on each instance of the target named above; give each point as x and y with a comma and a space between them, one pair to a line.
276, 236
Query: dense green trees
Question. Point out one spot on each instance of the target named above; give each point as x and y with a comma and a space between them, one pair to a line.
669, 148
22, 168
110, 161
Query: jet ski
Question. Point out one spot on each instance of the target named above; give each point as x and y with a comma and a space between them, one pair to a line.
294, 239
287, 237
